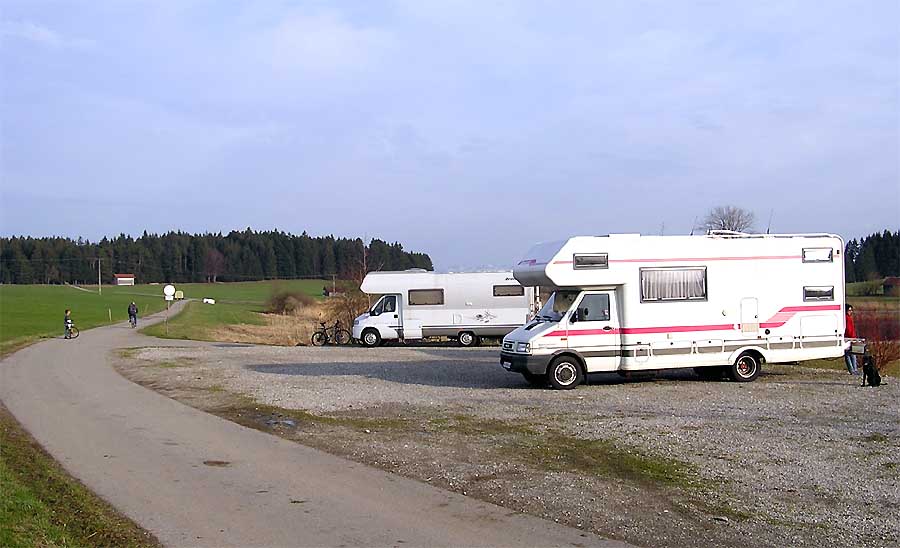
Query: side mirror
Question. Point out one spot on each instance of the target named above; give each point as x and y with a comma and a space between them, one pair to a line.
574, 317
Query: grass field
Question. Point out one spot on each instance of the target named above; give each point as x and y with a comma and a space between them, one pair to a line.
40, 505
31, 312
236, 304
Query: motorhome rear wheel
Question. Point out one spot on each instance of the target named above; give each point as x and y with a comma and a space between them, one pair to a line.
467, 338
565, 373
746, 368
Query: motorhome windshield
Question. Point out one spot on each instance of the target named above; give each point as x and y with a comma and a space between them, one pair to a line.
557, 305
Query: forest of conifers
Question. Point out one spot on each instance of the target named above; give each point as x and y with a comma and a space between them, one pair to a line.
181, 257
249, 255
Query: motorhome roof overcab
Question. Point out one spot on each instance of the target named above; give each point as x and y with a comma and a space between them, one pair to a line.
464, 306
721, 303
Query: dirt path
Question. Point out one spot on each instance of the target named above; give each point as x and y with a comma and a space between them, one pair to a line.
194, 479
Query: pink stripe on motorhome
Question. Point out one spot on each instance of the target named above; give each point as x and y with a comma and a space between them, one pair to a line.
779, 319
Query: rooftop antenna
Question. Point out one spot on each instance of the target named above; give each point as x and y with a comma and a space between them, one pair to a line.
769, 226
694, 226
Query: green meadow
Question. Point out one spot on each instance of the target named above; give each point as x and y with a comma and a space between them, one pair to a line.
32, 312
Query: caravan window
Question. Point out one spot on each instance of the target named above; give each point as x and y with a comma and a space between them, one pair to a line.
818, 293
673, 284
597, 260
818, 255
426, 297
508, 290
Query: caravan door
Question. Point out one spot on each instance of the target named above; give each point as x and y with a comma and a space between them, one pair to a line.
593, 331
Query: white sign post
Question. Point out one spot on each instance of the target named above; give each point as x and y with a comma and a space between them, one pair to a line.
169, 291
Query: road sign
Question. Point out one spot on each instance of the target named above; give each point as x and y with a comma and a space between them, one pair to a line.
169, 290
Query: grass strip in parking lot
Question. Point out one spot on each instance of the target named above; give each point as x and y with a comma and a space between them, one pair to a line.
41, 505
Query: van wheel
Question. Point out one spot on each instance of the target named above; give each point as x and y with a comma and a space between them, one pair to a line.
370, 338
534, 379
467, 338
745, 369
564, 373
709, 373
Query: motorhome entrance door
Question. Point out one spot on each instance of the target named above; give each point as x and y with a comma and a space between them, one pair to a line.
593, 331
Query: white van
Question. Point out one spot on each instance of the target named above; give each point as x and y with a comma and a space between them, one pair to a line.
721, 303
464, 306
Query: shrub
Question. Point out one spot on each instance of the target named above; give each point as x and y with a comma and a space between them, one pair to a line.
881, 329
288, 302
345, 305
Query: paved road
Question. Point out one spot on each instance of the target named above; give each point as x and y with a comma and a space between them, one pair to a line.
145, 454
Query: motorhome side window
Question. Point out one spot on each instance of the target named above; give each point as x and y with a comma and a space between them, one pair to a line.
818, 293
426, 297
508, 290
594, 308
673, 284
595, 260
818, 255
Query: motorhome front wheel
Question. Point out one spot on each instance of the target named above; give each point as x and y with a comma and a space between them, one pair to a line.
565, 373
371, 337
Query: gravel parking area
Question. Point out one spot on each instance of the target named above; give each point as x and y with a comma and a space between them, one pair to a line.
799, 457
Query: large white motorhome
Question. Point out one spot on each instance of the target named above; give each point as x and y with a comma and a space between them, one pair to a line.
464, 306
722, 303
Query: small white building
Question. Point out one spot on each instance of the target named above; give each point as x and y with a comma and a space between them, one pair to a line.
124, 279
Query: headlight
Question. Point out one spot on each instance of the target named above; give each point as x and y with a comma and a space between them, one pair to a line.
523, 347
356, 322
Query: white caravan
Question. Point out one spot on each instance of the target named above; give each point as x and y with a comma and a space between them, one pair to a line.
464, 306
721, 303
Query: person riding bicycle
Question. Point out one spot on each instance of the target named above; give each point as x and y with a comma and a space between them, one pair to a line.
68, 323
132, 313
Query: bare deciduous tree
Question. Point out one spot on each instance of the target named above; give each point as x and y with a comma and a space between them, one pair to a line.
214, 264
728, 218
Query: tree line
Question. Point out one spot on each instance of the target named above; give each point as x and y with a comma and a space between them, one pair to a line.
182, 257
872, 257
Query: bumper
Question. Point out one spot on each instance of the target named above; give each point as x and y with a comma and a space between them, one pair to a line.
356, 332
520, 363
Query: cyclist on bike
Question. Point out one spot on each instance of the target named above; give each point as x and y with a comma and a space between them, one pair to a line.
132, 314
68, 323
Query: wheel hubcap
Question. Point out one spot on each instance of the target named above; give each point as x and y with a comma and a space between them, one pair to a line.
746, 367
565, 373
370, 338
465, 338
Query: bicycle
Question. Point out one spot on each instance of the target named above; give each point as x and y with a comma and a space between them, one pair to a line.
133, 321
71, 331
333, 334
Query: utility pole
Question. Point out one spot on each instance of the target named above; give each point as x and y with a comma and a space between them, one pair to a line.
99, 279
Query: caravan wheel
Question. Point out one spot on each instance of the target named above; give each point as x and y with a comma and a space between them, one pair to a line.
467, 338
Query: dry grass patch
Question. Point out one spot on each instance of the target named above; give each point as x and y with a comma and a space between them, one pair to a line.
278, 329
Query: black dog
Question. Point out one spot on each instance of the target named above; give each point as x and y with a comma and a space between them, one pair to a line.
870, 372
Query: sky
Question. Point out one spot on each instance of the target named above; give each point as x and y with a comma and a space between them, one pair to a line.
468, 130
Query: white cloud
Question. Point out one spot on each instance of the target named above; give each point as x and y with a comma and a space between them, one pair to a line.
40, 34
321, 43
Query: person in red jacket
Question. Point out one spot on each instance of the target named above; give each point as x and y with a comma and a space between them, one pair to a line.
850, 333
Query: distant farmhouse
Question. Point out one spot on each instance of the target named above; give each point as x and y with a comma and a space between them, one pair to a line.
892, 286
124, 279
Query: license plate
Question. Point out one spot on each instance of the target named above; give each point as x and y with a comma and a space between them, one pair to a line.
507, 365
